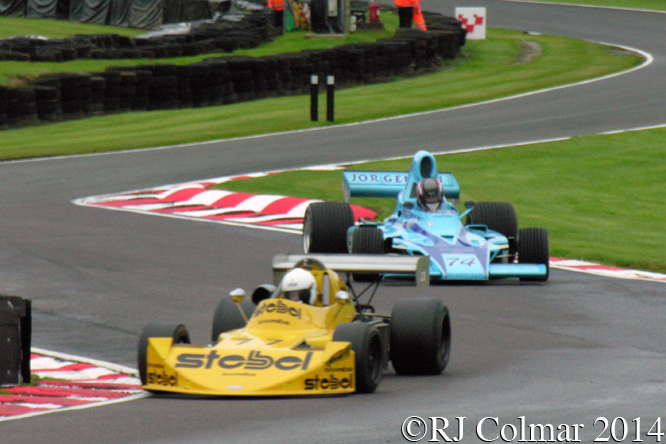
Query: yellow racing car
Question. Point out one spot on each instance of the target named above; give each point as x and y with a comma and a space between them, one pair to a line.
306, 334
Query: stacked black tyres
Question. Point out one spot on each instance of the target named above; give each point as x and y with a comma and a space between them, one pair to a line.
184, 74
298, 67
76, 94
48, 97
97, 95
243, 76
214, 81
3, 106
144, 78
272, 77
21, 106
163, 93
112, 90
201, 84
221, 86
126, 90
48, 100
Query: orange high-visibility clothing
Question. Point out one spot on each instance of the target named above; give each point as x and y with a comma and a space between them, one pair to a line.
406, 3
418, 18
276, 5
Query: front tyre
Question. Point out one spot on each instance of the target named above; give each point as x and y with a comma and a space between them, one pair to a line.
533, 249
227, 316
420, 336
178, 333
367, 346
325, 227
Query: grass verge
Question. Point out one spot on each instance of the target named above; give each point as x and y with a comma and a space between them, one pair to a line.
600, 197
18, 26
487, 69
15, 73
654, 5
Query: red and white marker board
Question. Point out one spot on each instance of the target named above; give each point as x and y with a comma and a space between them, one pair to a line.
474, 21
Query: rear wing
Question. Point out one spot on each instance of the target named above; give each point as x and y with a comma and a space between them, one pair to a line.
419, 266
388, 184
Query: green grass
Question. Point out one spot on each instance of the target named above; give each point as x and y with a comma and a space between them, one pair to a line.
600, 197
17, 26
16, 73
488, 69
655, 5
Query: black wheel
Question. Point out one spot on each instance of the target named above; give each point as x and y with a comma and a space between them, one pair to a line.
420, 336
497, 216
178, 333
227, 316
367, 240
367, 346
533, 249
325, 227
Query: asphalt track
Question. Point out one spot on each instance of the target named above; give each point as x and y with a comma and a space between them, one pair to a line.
568, 352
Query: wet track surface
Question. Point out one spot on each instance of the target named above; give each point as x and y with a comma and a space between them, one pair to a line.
567, 352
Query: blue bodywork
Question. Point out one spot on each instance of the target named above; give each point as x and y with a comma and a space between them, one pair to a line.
457, 252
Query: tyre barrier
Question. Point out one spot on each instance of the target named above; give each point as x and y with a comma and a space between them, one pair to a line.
224, 35
223, 80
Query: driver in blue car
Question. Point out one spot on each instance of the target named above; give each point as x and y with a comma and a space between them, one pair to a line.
430, 194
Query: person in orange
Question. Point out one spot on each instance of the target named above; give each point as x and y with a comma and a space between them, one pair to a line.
408, 11
278, 12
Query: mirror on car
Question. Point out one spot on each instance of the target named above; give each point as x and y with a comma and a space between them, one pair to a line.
237, 295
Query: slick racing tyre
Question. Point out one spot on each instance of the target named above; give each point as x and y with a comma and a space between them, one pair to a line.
369, 351
420, 335
497, 216
367, 240
325, 227
533, 249
178, 333
227, 317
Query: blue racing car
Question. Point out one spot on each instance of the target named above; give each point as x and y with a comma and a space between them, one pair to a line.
426, 222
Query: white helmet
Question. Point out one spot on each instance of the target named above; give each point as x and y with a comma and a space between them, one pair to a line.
299, 285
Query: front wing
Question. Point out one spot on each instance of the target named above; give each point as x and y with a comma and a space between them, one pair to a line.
244, 371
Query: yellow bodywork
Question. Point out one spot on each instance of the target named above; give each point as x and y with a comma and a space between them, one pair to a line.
286, 348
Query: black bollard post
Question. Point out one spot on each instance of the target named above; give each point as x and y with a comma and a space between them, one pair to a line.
314, 98
330, 97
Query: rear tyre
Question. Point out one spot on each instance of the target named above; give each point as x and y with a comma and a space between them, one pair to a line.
367, 240
227, 317
367, 346
325, 227
533, 249
420, 336
178, 333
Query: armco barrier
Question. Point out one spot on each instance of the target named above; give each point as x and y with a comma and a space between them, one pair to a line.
224, 80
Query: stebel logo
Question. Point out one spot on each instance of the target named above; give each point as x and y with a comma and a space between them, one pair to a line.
280, 308
254, 361
329, 383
